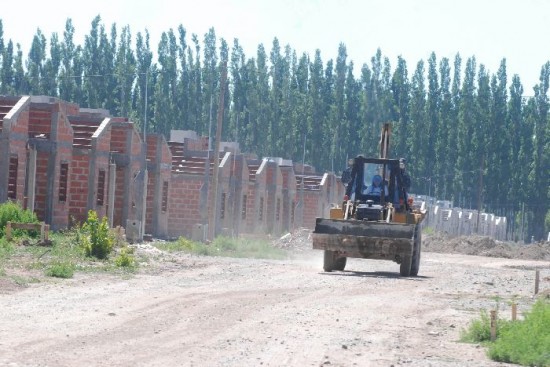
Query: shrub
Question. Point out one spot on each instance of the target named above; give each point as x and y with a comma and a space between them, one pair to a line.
13, 212
96, 237
60, 270
526, 342
479, 331
125, 258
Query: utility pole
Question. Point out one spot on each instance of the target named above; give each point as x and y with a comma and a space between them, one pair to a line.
145, 173
214, 197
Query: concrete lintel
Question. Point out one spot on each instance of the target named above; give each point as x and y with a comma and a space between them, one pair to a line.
101, 129
15, 111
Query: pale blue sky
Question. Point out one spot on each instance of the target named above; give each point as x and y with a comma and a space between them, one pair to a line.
518, 30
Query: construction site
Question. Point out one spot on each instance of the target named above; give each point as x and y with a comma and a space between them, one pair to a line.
307, 307
60, 161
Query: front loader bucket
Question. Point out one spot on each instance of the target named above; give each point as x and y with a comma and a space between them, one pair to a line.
365, 239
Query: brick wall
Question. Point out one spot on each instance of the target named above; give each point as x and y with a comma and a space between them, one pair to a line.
78, 193
184, 204
311, 208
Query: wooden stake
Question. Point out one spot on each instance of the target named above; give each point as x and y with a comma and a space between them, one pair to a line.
8, 231
493, 325
514, 311
537, 279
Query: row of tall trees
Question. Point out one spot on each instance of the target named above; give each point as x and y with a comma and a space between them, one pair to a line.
468, 135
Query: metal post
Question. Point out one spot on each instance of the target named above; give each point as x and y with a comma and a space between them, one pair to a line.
145, 173
214, 196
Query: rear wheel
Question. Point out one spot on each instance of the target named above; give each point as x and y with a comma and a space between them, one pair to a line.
329, 261
417, 248
405, 268
340, 263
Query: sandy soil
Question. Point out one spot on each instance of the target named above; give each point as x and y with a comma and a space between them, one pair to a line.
183, 310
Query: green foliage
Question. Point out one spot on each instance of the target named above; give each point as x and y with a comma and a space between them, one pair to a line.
125, 258
247, 248
479, 331
182, 244
60, 269
13, 212
226, 247
6, 248
523, 342
24, 281
526, 342
428, 230
95, 237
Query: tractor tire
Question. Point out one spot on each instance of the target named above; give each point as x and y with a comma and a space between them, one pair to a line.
340, 263
417, 249
405, 267
329, 261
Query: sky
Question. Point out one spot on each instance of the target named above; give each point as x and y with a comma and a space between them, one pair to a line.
490, 30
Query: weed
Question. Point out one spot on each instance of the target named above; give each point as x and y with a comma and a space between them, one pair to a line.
227, 247
125, 258
95, 237
60, 269
523, 342
526, 342
13, 212
24, 281
182, 244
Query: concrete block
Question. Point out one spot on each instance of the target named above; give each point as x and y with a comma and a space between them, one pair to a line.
133, 231
199, 232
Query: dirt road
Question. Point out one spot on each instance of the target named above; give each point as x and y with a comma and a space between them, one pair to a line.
202, 311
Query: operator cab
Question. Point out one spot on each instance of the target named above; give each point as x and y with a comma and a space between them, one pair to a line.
376, 181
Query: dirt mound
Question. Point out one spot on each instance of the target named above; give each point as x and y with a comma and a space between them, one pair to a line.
297, 240
300, 240
485, 246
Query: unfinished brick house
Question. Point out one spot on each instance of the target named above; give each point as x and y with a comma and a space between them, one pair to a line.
191, 189
127, 152
37, 138
61, 161
89, 172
